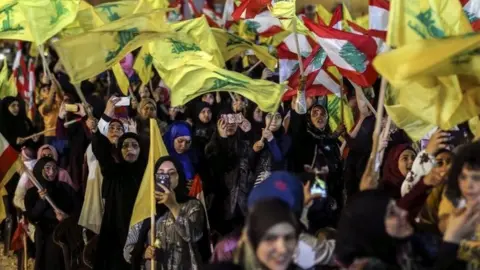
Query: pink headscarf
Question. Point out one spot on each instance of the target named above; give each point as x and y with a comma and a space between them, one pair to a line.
63, 175
127, 65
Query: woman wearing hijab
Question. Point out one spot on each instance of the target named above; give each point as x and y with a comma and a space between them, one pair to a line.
147, 109
202, 125
178, 140
179, 227
14, 123
257, 118
48, 254
397, 164
122, 165
271, 150
269, 238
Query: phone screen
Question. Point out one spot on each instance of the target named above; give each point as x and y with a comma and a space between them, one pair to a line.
162, 178
124, 101
319, 187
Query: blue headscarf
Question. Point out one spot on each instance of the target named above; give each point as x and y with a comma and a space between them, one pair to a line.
175, 130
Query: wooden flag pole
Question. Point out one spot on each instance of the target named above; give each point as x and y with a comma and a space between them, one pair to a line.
152, 202
51, 129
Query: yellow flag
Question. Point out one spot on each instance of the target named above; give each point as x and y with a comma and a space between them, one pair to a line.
143, 64
201, 33
324, 14
45, 18
148, 5
232, 45
112, 11
199, 77
425, 19
14, 24
334, 113
121, 78
283, 9
143, 207
438, 80
8, 88
91, 53
87, 19
362, 21
474, 125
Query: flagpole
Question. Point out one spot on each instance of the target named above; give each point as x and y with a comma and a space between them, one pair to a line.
152, 196
342, 119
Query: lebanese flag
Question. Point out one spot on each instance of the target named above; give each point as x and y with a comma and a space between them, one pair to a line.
287, 54
228, 9
337, 18
20, 71
357, 29
264, 24
8, 157
472, 11
196, 191
214, 19
378, 11
352, 54
31, 89
318, 19
250, 8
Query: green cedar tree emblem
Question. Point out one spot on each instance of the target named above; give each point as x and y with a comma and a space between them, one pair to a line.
220, 83
7, 23
111, 15
60, 11
427, 27
179, 47
123, 38
353, 57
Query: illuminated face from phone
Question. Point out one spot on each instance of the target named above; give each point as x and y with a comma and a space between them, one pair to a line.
274, 120
14, 108
182, 144
168, 167
50, 171
148, 111
115, 131
130, 150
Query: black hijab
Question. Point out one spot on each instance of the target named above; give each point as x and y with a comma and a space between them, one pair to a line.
38, 173
202, 129
312, 129
11, 126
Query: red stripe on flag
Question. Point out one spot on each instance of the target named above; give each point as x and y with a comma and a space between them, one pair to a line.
7, 159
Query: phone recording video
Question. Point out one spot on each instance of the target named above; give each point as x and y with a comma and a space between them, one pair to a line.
319, 186
162, 179
71, 107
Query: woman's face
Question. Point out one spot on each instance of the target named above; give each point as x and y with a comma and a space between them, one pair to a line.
276, 249
115, 131
469, 183
148, 111
14, 108
396, 221
167, 167
144, 92
44, 92
274, 120
258, 115
208, 98
130, 150
46, 152
405, 161
205, 115
182, 144
50, 171
319, 117
443, 163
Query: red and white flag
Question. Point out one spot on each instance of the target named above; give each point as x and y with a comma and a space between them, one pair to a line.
337, 18
8, 160
20, 71
472, 11
264, 24
250, 8
176, 15
352, 54
378, 11
213, 18
31, 89
196, 191
357, 29
288, 54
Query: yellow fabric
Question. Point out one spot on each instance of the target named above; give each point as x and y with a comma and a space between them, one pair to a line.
446, 207
232, 45
3, 191
324, 14
429, 213
121, 78
14, 25
438, 80
45, 18
143, 64
334, 113
200, 77
8, 88
474, 126
201, 33
50, 118
148, 5
362, 21
87, 19
86, 55
143, 206
425, 19
112, 11
283, 9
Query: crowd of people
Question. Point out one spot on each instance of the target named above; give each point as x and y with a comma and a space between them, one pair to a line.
281, 190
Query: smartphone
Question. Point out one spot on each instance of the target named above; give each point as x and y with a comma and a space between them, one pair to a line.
123, 102
162, 178
457, 137
319, 186
71, 107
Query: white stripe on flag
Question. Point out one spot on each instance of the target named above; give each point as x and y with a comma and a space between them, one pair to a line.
324, 79
287, 68
332, 47
378, 18
473, 7
305, 48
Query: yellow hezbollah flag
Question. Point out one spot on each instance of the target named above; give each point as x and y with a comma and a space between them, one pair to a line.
8, 88
199, 77
334, 113
112, 11
438, 80
14, 25
324, 14
283, 9
121, 78
362, 21
45, 18
91, 53
87, 19
143, 205
143, 64
232, 45
201, 33
149, 5
425, 19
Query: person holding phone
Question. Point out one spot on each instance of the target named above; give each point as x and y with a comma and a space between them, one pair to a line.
180, 224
